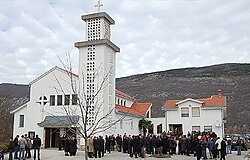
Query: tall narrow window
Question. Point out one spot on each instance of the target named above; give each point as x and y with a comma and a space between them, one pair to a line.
124, 103
132, 125
74, 99
59, 100
21, 121
185, 112
52, 100
66, 99
195, 111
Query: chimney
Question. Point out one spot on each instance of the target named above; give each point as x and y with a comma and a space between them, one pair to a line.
219, 92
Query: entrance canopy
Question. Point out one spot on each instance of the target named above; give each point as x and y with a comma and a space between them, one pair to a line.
59, 121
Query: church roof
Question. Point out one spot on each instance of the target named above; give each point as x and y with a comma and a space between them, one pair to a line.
139, 109
51, 70
213, 101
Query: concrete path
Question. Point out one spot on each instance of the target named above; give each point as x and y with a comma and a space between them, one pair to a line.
59, 155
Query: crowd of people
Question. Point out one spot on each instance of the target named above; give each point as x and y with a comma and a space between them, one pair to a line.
196, 144
21, 147
68, 143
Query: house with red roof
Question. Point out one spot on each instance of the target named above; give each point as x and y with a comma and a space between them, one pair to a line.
189, 115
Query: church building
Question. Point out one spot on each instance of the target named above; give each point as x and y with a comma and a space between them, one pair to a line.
55, 96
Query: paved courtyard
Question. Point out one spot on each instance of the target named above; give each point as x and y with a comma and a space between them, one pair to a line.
59, 155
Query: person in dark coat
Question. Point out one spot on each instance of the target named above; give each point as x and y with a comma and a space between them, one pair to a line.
97, 147
11, 149
153, 144
101, 145
72, 146
112, 143
1, 153
16, 147
183, 145
165, 144
107, 143
66, 146
130, 146
37, 145
188, 142
125, 143
198, 150
223, 151
118, 143
136, 146
210, 145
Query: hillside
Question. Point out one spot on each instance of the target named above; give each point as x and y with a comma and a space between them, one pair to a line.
202, 82
157, 87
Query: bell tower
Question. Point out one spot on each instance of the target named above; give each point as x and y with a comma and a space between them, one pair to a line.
97, 66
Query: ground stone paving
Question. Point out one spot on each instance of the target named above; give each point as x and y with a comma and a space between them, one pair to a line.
48, 154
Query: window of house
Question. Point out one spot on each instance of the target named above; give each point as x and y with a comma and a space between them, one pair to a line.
196, 128
195, 111
124, 103
185, 112
132, 125
21, 121
74, 99
207, 129
59, 100
66, 99
159, 128
52, 100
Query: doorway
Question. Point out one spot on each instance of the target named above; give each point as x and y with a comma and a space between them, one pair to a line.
177, 128
52, 137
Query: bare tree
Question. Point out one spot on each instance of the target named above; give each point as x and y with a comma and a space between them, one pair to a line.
93, 118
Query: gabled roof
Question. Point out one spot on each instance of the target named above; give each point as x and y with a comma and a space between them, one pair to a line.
17, 109
124, 95
51, 70
188, 99
139, 109
213, 101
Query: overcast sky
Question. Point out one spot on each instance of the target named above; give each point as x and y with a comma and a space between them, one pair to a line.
153, 35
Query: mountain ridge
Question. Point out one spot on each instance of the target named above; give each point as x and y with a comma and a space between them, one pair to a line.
193, 82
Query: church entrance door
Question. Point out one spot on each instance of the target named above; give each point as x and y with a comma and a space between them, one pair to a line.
52, 137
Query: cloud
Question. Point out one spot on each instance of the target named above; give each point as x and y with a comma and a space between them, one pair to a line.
153, 35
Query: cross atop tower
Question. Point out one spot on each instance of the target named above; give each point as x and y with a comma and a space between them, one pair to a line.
99, 5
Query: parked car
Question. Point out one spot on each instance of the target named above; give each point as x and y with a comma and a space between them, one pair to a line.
242, 142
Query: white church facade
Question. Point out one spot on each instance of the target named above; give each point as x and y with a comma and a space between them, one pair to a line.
56, 95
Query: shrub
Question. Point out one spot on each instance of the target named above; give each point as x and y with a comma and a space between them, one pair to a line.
4, 147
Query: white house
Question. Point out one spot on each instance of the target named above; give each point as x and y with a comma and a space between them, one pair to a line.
53, 106
207, 114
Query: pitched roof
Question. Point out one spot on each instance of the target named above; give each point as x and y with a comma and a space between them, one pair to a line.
140, 109
124, 95
213, 101
51, 70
